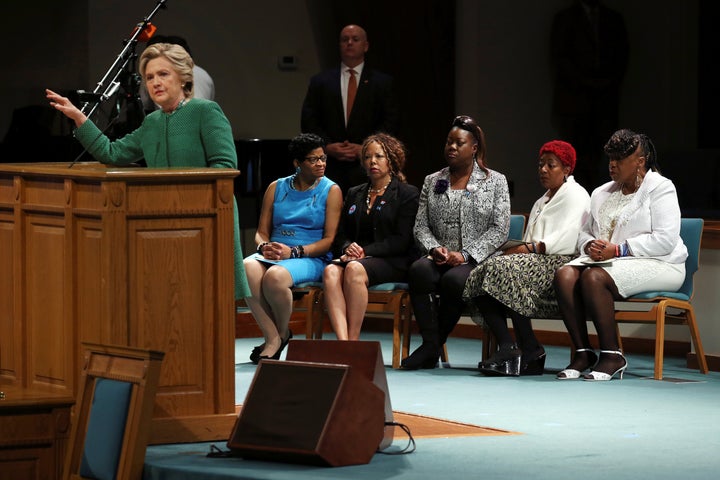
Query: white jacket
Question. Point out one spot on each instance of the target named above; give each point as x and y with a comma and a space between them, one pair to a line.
650, 223
558, 224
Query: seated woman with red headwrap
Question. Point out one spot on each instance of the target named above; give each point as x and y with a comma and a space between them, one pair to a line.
518, 283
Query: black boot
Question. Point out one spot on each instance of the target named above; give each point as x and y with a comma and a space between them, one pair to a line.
505, 362
427, 354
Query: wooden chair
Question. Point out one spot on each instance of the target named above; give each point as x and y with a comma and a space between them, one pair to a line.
392, 300
307, 298
115, 404
385, 300
691, 233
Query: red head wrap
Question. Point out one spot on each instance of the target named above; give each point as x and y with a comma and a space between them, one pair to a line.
562, 150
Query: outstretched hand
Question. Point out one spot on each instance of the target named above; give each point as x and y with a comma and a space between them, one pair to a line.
66, 107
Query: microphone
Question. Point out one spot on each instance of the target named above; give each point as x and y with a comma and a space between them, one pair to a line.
112, 122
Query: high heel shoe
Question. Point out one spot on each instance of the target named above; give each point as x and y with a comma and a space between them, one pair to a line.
571, 373
506, 362
425, 356
276, 355
534, 365
600, 376
255, 354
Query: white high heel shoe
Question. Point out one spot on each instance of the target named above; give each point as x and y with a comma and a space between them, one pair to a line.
596, 376
571, 373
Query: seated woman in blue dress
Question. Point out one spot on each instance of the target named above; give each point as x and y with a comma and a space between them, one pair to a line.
297, 225
375, 238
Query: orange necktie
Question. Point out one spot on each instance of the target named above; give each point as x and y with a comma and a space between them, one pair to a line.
352, 90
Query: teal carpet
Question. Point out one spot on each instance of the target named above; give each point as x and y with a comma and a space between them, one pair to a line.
631, 429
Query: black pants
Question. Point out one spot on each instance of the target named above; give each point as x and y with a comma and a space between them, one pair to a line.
427, 281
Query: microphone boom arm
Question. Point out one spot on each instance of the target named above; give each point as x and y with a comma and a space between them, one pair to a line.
109, 88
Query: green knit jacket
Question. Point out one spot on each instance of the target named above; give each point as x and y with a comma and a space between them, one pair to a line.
197, 134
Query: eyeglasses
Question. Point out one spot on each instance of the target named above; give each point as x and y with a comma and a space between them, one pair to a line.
314, 160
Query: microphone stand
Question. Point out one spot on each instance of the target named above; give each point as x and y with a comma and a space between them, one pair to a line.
109, 84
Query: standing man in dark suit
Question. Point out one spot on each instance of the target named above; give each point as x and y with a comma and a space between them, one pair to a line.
346, 104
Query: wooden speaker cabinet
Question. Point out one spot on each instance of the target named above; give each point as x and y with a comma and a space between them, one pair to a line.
314, 413
366, 357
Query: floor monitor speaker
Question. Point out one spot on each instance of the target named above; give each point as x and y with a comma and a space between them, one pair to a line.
314, 413
364, 356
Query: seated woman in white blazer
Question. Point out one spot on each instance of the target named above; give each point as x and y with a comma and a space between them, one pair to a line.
630, 243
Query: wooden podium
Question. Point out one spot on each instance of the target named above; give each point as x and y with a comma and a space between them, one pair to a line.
122, 256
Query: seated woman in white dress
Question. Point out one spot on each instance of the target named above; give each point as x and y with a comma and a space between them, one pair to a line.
633, 234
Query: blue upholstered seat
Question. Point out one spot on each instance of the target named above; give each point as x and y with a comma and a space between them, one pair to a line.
691, 233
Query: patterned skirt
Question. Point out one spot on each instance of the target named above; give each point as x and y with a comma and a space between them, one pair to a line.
521, 282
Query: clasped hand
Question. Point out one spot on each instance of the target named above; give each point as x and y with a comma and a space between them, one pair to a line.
353, 252
600, 250
443, 256
344, 151
275, 251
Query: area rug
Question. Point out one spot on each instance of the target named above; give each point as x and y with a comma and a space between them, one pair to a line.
421, 426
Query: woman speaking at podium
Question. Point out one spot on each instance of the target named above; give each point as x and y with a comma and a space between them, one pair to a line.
185, 132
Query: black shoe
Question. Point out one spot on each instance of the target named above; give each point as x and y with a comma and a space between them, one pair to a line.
255, 354
505, 363
425, 356
535, 364
276, 356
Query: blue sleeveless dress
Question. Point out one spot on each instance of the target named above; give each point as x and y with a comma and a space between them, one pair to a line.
299, 219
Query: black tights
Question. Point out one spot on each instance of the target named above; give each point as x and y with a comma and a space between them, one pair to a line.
495, 316
588, 292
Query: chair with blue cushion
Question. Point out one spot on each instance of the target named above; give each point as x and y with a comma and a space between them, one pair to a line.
517, 227
385, 300
683, 312
112, 419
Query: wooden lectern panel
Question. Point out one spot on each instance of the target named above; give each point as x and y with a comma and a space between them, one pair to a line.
167, 259
125, 256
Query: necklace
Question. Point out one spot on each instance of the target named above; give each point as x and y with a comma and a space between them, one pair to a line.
378, 190
375, 191
295, 177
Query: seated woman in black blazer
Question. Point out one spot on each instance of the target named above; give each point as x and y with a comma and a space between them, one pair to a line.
374, 242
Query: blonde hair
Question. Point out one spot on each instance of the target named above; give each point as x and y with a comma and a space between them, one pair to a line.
180, 59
